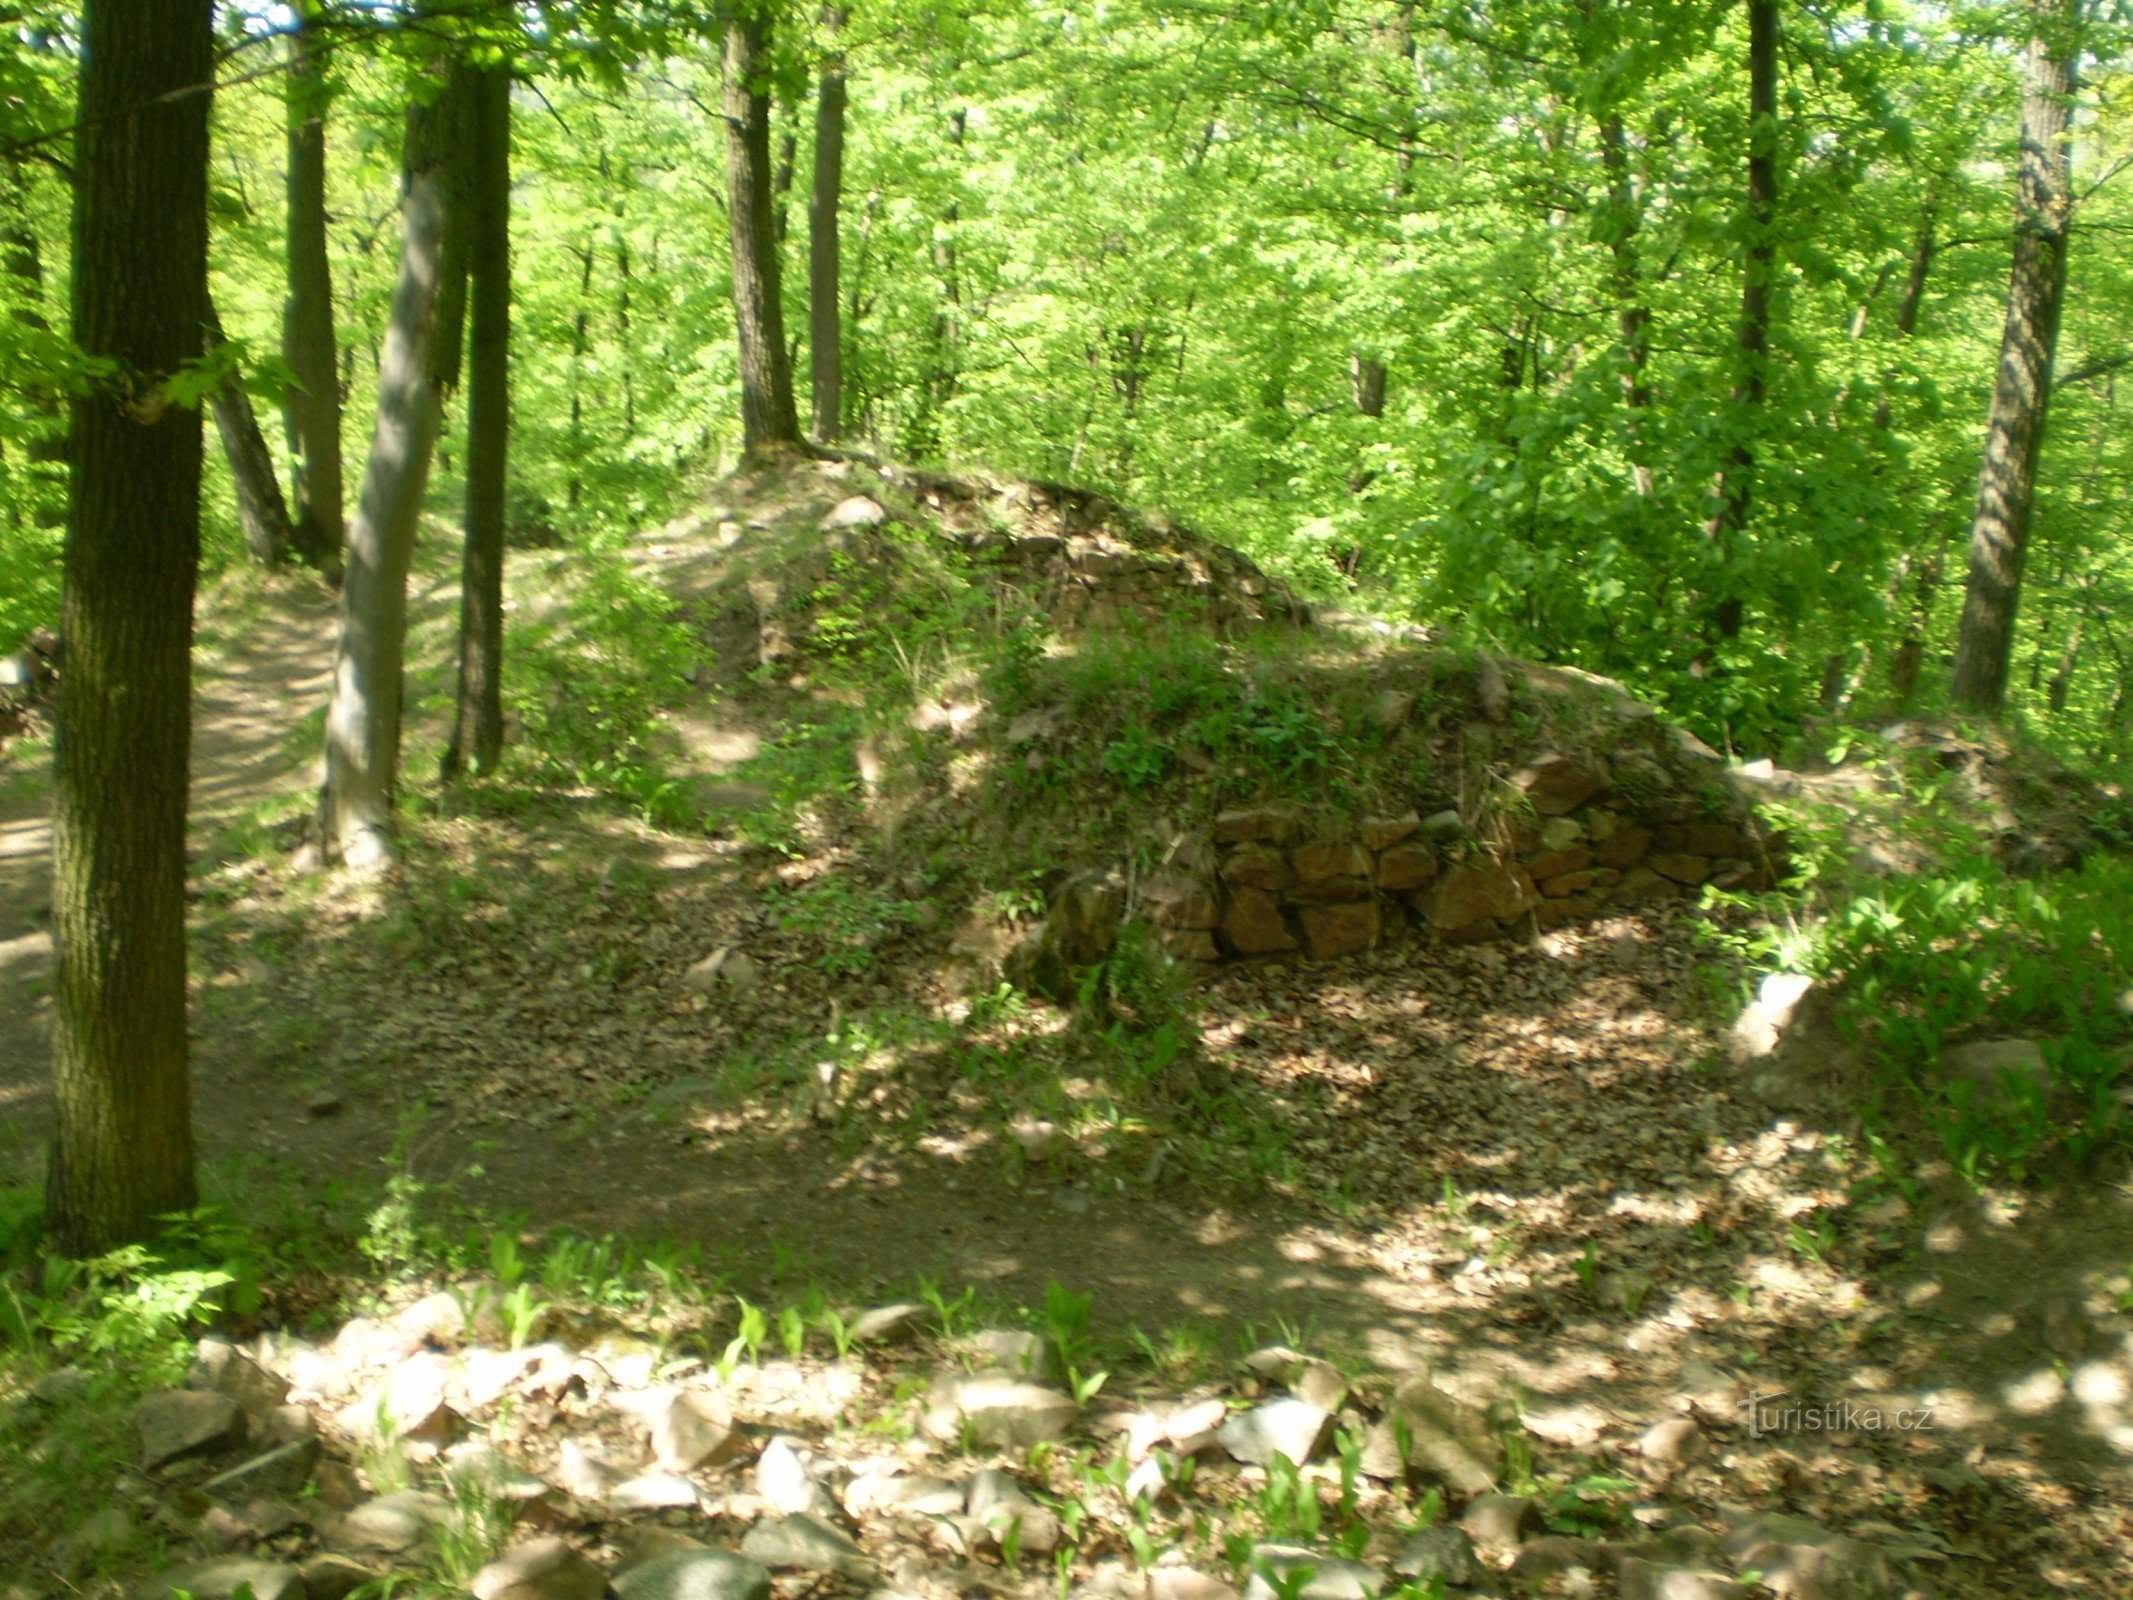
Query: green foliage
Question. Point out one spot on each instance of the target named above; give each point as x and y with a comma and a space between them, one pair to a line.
849, 921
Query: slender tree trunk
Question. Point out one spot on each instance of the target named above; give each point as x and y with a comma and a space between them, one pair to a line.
769, 421
2014, 429
825, 330
478, 731
124, 1156
1914, 295
261, 512
363, 716
1366, 384
1633, 318
946, 373
781, 179
314, 405
578, 346
1730, 495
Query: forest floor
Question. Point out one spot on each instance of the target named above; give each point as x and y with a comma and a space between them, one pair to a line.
1523, 1168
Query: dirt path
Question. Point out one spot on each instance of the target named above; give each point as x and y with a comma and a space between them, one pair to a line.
249, 697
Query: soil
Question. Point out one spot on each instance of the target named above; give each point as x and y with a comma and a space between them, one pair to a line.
1522, 1165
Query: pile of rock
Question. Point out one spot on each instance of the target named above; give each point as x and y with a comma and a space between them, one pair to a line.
1275, 879
673, 1481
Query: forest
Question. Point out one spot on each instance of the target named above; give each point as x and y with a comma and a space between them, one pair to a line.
1291, 800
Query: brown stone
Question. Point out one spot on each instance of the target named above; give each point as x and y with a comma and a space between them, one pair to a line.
1569, 883
1715, 839
1257, 867
1268, 824
1624, 850
1687, 869
1382, 833
1177, 901
1340, 930
1473, 890
1191, 944
1253, 924
1641, 883
1554, 863
1556, 785
1330, 891
1406, 866
1323, 862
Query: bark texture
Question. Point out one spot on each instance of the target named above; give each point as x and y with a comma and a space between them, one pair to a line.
313, 413
769, 420
2021, 392
825, 323
123, 1155
478, 729
363, 715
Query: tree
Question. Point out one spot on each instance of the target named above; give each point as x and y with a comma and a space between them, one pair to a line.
313, 408
1730, 495
123, 1156
769, 421
261, 511
419, 358
825, 323
2021, 392
478, 729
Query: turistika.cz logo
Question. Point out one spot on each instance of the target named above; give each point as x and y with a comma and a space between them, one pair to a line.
1779, 1413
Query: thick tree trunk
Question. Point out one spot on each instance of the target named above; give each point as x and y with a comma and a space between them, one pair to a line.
769, 421
478, 731
124, 1156
261, 512
1730, 495
314, 404
2014, 429
825, 324
363, 716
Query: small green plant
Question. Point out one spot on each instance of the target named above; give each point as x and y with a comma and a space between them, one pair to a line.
792, 1331
522, 1314
948, 1311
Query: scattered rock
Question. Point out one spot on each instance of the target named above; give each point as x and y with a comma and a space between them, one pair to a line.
1321, 1383
1001, 1410
1474, 890
998, 1506
584, 1474
1254, 925
392, 1524
655, 1491
1274, 1567
408, 1403
1500, 1521
1443, 826
688, 1431
220, 1366
1675, 1441
725, 967
177, 1423
1341, 929
323, 1103
888, 1324
477, 1467
1440, 1553
910, 1494
1638, 1579
1185, 1583
1445, 1439
1291, 1430
1012, 1350
539, 1569
695, 1575
1568, 1563
858, 513
1801, 1558
807, 1544
221, 1577
785, 1478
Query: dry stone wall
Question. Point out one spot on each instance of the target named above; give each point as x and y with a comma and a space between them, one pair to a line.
1279, 880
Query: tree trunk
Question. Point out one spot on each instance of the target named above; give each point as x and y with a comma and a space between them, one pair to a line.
769, 421
478, 731
578, 345
123, 1156
314, 404
781, 179
363, 716
1366, 383
261, 512
1633, 318
1730, 495
2014, 428
825, 324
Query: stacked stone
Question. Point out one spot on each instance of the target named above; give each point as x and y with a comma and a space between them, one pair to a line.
1277, 881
